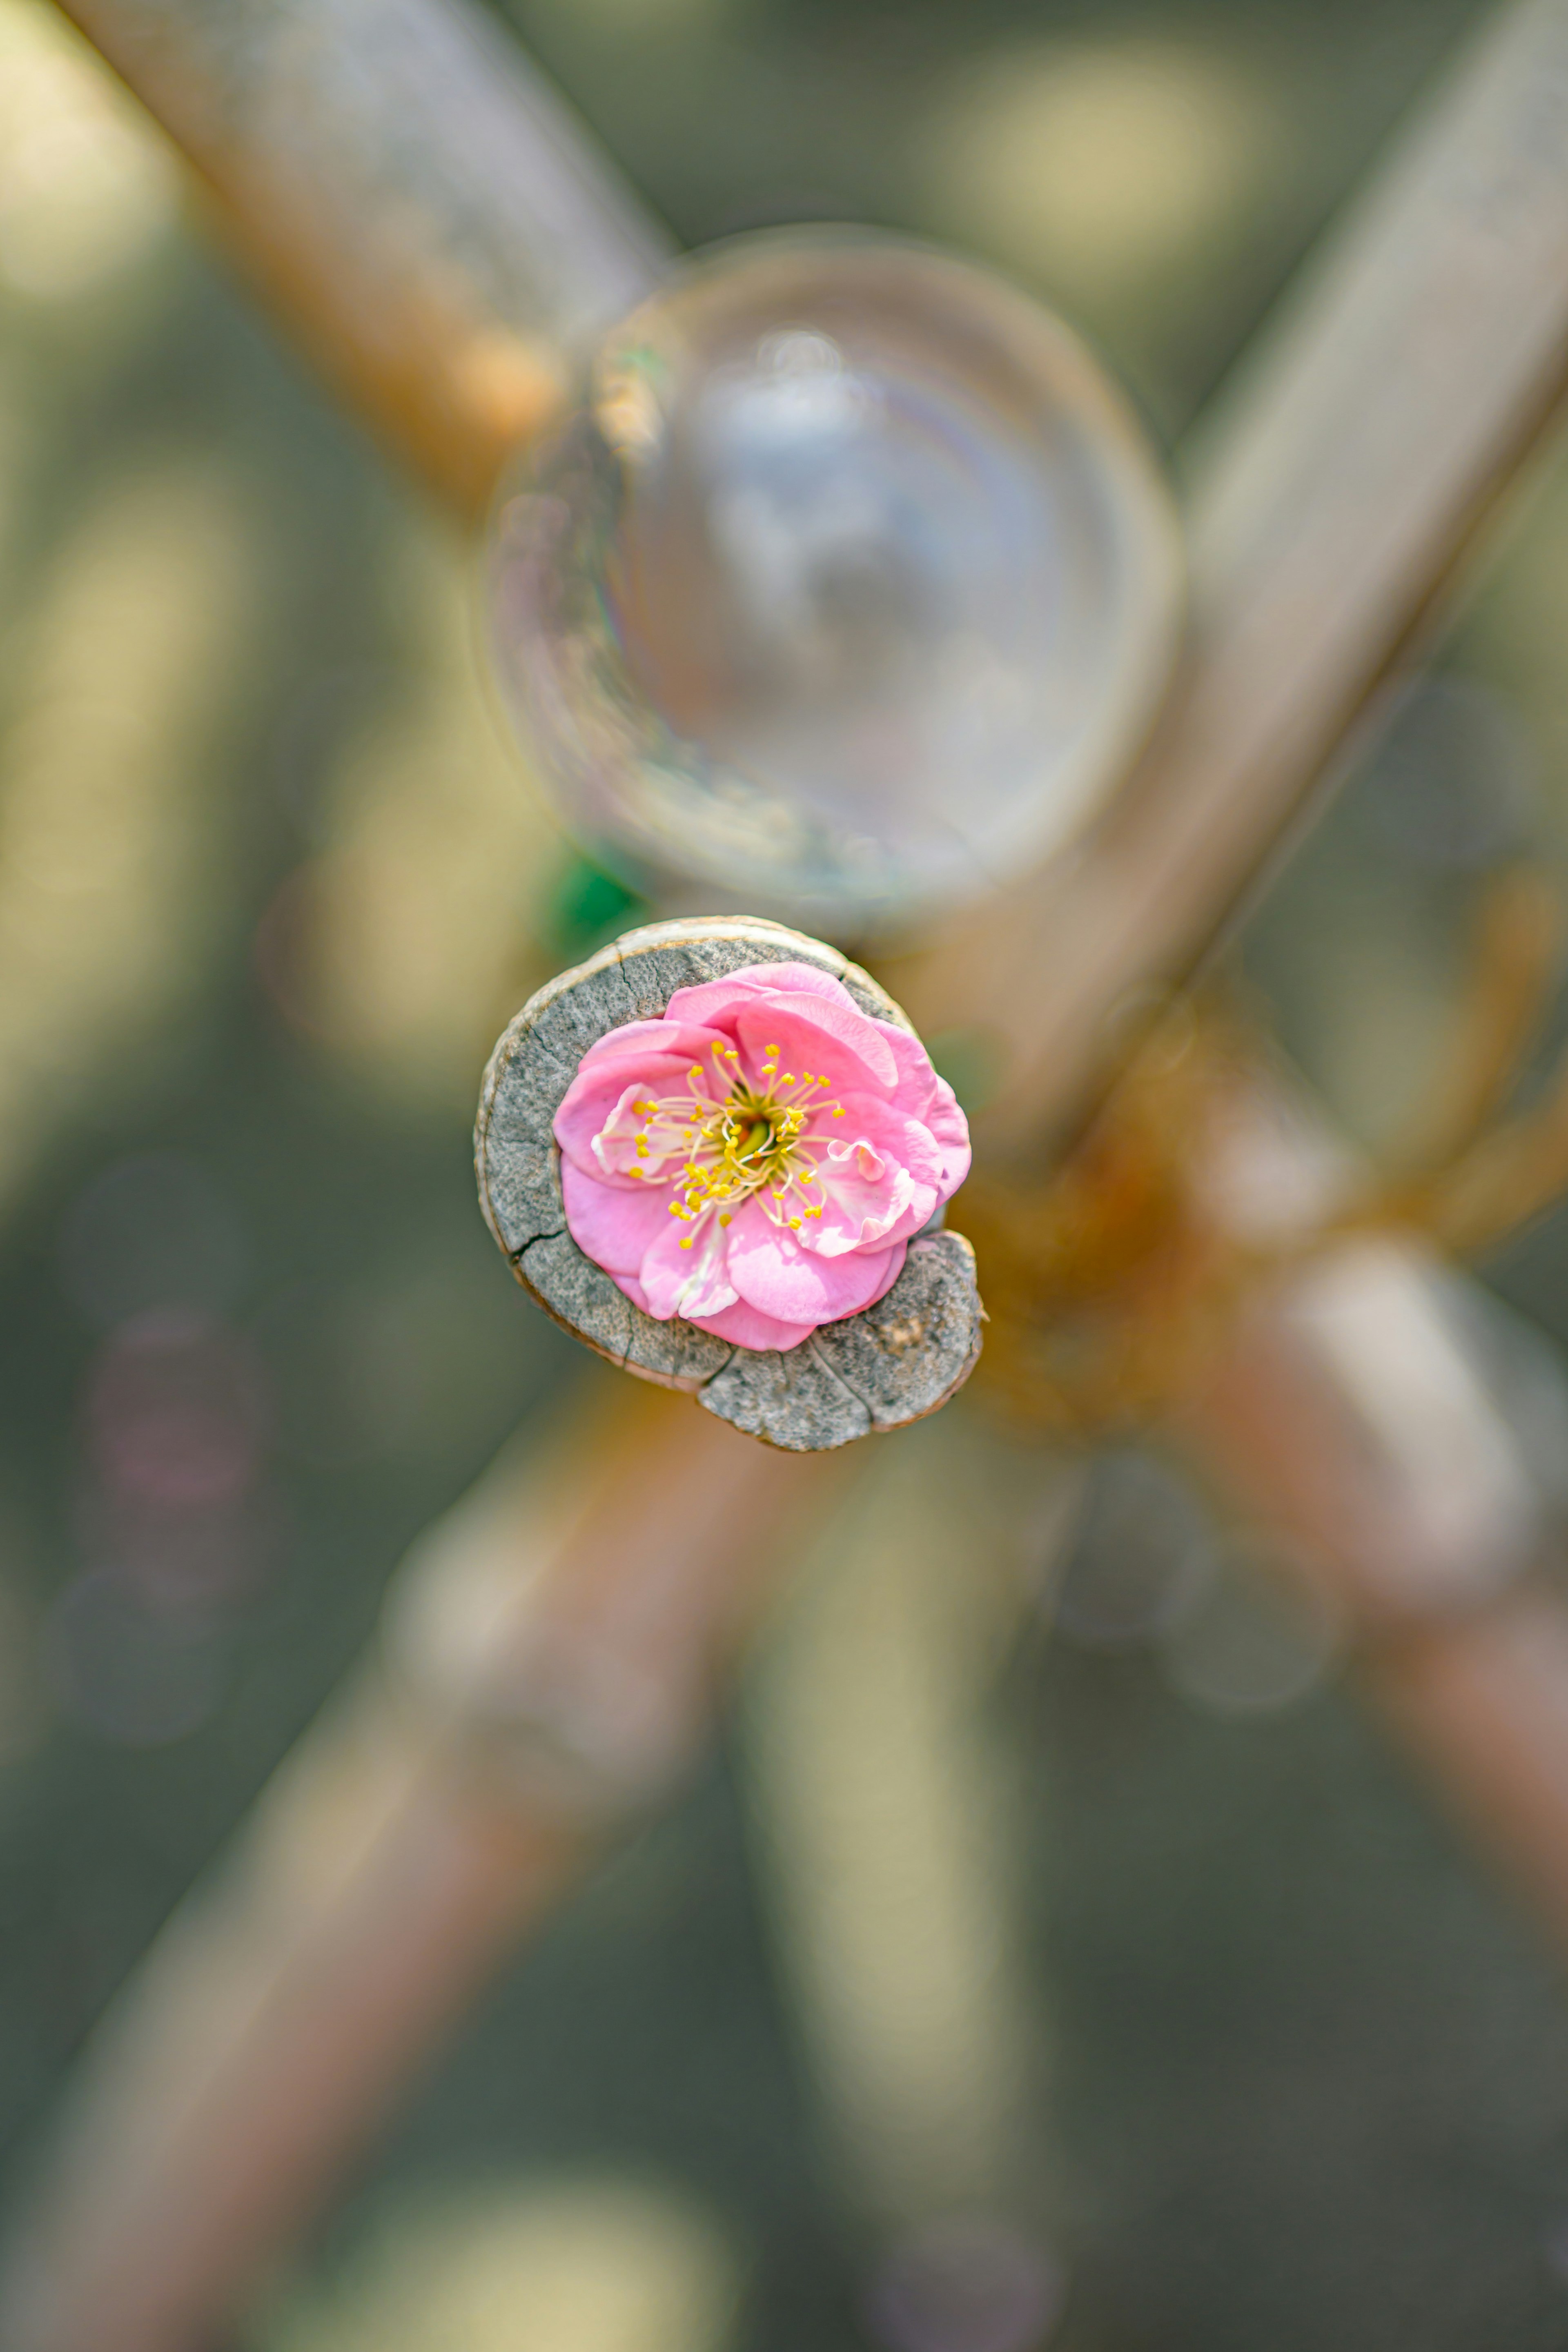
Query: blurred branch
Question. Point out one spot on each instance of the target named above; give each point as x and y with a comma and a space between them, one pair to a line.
1516, 961
417, 202
1337, 488
531, 1700
1352, 1415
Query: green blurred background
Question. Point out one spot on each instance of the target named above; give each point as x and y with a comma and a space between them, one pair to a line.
1215, 2014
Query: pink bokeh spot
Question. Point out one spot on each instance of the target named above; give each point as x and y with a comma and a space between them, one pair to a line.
757, 1162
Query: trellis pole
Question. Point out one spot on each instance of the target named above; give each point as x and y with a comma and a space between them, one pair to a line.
543, 1676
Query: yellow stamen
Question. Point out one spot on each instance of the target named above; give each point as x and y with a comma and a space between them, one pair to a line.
750, 1142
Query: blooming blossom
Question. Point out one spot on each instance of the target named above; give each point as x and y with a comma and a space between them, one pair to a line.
757, 1161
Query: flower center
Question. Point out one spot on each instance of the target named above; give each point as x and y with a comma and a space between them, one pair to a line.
752, 1142
740, 1141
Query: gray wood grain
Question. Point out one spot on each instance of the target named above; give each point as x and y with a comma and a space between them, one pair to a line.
891, 1364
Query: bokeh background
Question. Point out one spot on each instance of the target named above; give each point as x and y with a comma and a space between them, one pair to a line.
1038, 1877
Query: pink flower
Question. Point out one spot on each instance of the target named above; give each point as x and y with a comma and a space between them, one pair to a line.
757, 1159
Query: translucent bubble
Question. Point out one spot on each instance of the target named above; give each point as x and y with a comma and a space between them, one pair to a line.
966, 2283
1259, 1640
849, 589
1143, 1553
153, 1231
130, 1673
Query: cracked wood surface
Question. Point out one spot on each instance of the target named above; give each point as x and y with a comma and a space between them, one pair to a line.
893, 1363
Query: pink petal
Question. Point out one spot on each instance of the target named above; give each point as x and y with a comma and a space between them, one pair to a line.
593, 1096
770, 1270
687, 1282
896, 1257
819, 1037
878, 1178
917, 1080
715, 1000
748, 1327
611, 1065
637, 1039
923, 1096
634, 1148
949, 1132
614, 1224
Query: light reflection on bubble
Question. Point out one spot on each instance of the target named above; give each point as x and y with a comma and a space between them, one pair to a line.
966, 2284
175, 1412
1452, 784
1261, 1638
1144, 1551
154, 1231
132, 1674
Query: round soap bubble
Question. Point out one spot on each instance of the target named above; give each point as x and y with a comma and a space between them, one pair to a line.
846, 591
